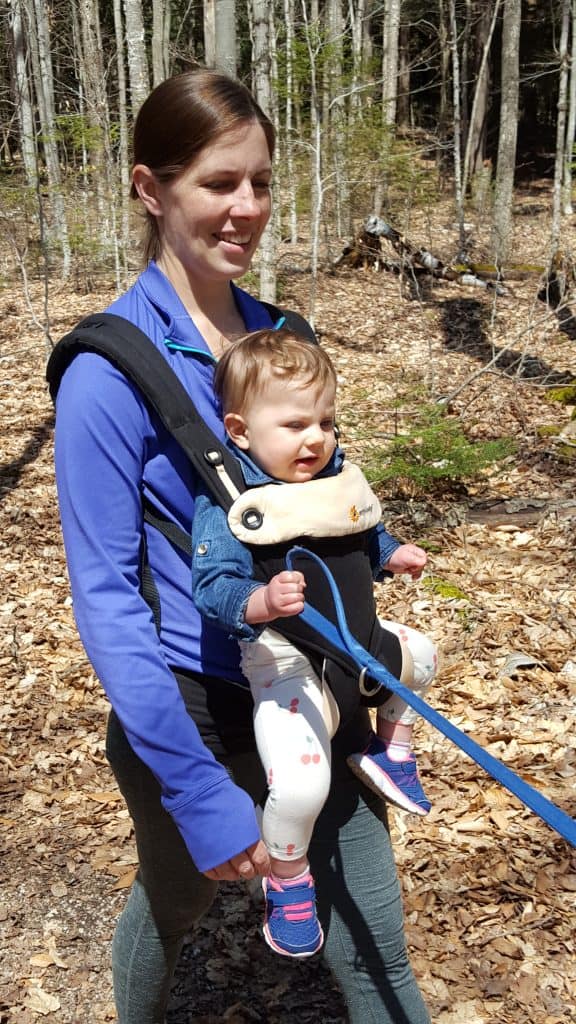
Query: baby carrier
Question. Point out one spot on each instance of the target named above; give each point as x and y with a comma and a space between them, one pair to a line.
133, 353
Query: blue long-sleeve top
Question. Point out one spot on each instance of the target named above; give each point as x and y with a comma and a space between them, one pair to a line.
222, 566
110, 451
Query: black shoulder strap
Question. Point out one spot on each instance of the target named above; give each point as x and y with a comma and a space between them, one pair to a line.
134, 354
292, 322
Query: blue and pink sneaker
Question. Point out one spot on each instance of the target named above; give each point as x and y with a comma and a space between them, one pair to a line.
291, 925
396, 780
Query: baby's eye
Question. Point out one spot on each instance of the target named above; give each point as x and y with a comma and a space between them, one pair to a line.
294, 425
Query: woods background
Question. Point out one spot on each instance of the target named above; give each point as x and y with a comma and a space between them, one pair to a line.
380, 108
423, 217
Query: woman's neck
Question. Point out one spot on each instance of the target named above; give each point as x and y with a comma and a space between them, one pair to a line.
210, 305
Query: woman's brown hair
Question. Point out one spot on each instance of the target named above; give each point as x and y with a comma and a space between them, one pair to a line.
179, 118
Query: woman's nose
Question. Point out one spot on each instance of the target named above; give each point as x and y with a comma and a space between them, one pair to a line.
245, 203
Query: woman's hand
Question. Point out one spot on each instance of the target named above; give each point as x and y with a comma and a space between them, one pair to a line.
282, 597
408, 558
254, 860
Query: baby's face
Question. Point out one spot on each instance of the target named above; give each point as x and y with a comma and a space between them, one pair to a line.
289, 429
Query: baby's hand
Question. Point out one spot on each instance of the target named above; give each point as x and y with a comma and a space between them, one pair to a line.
408, 558
284, 595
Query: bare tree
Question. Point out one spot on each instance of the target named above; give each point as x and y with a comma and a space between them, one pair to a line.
40, 52
506, 163
261, 68
161, 16
136, 53
391, 35
220, 35
567, 208
22, 93
474, 155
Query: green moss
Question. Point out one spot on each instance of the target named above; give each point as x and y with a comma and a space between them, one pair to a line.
444, 589
548, 430
566, 452
566, 395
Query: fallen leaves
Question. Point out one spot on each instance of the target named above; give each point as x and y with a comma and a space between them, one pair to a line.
488, 888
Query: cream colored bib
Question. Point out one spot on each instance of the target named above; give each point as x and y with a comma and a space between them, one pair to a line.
332, 506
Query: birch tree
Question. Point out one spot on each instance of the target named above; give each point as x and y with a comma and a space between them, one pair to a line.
40, 52
561, 123
136, 53
261, 69
391, 35
22, 93
220, 35
475, 142
567, 208
123, 144
161, 16
98, 118
506, 161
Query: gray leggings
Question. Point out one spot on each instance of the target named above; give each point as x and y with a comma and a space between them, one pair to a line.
350, 856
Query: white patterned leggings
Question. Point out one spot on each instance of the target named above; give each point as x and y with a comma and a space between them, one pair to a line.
295, 717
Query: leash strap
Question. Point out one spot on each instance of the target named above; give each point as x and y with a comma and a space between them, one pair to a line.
341, 637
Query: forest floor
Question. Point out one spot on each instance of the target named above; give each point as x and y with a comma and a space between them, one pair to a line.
489, 889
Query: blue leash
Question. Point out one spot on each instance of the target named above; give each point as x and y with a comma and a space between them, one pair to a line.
341, 638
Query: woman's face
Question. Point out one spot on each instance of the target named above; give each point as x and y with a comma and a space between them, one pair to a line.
212, 216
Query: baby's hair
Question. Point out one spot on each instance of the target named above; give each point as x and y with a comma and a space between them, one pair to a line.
251, 361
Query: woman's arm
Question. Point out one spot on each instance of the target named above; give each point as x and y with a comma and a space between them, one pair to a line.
102, 430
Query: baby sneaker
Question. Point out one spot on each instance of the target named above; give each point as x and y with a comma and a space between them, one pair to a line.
291, 925
396, 780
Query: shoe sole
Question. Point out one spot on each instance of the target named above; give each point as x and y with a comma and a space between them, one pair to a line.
284, 952
387, 790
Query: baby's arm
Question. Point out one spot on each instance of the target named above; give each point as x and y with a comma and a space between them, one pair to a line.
282, 597
408, 558
388, 555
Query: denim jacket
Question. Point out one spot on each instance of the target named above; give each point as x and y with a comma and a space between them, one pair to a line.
222, 567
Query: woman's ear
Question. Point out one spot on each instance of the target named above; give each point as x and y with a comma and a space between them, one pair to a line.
237, 430
146, 186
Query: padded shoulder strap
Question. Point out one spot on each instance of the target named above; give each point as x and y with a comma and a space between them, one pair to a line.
128, 348
293, 322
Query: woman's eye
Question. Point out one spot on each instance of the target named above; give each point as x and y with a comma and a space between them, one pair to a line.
327, 424
262, 186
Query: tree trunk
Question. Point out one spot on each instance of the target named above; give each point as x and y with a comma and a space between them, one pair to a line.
39, 35
22, 94
136, 52
263, 94
403, 100
391, 35
444, 105
210, 33
563, 76
288, 122
97, 115
567, 208
161, 14
456, 86
123, 144
475, 143
225, 33
506, 163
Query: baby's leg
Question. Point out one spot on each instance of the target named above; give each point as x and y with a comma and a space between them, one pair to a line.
293, 732
388, 765
293, 741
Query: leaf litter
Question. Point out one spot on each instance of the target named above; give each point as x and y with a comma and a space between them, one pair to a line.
489, 890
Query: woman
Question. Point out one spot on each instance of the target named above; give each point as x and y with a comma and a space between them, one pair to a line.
180, 737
